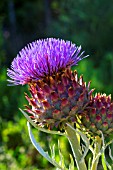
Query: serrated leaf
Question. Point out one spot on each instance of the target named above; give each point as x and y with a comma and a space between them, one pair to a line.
86, 141
52, 149
110, 155
40, 149
62, 163
84, 138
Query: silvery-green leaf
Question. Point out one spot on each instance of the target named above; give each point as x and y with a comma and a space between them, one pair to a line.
40, 150
52, 149
110, 154
85, 139
61, 162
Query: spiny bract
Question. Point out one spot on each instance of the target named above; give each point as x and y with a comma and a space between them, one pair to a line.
98, 115
58, 99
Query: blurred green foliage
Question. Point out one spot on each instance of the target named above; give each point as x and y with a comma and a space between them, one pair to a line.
85, 22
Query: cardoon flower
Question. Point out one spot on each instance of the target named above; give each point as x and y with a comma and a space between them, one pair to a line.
98, 116
56, 92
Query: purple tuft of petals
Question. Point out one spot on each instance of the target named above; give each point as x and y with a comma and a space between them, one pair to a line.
43, 58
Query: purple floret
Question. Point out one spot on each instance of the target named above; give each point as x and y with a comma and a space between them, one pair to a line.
43, 58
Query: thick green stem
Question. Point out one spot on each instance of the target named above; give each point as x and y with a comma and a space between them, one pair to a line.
75, 145
96, 154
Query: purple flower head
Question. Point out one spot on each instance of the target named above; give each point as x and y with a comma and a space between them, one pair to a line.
43, 58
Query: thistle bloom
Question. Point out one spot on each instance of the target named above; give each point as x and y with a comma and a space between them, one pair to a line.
56, 92
43, 58
98, 115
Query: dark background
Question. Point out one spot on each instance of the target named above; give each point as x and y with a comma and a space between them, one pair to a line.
88, 23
